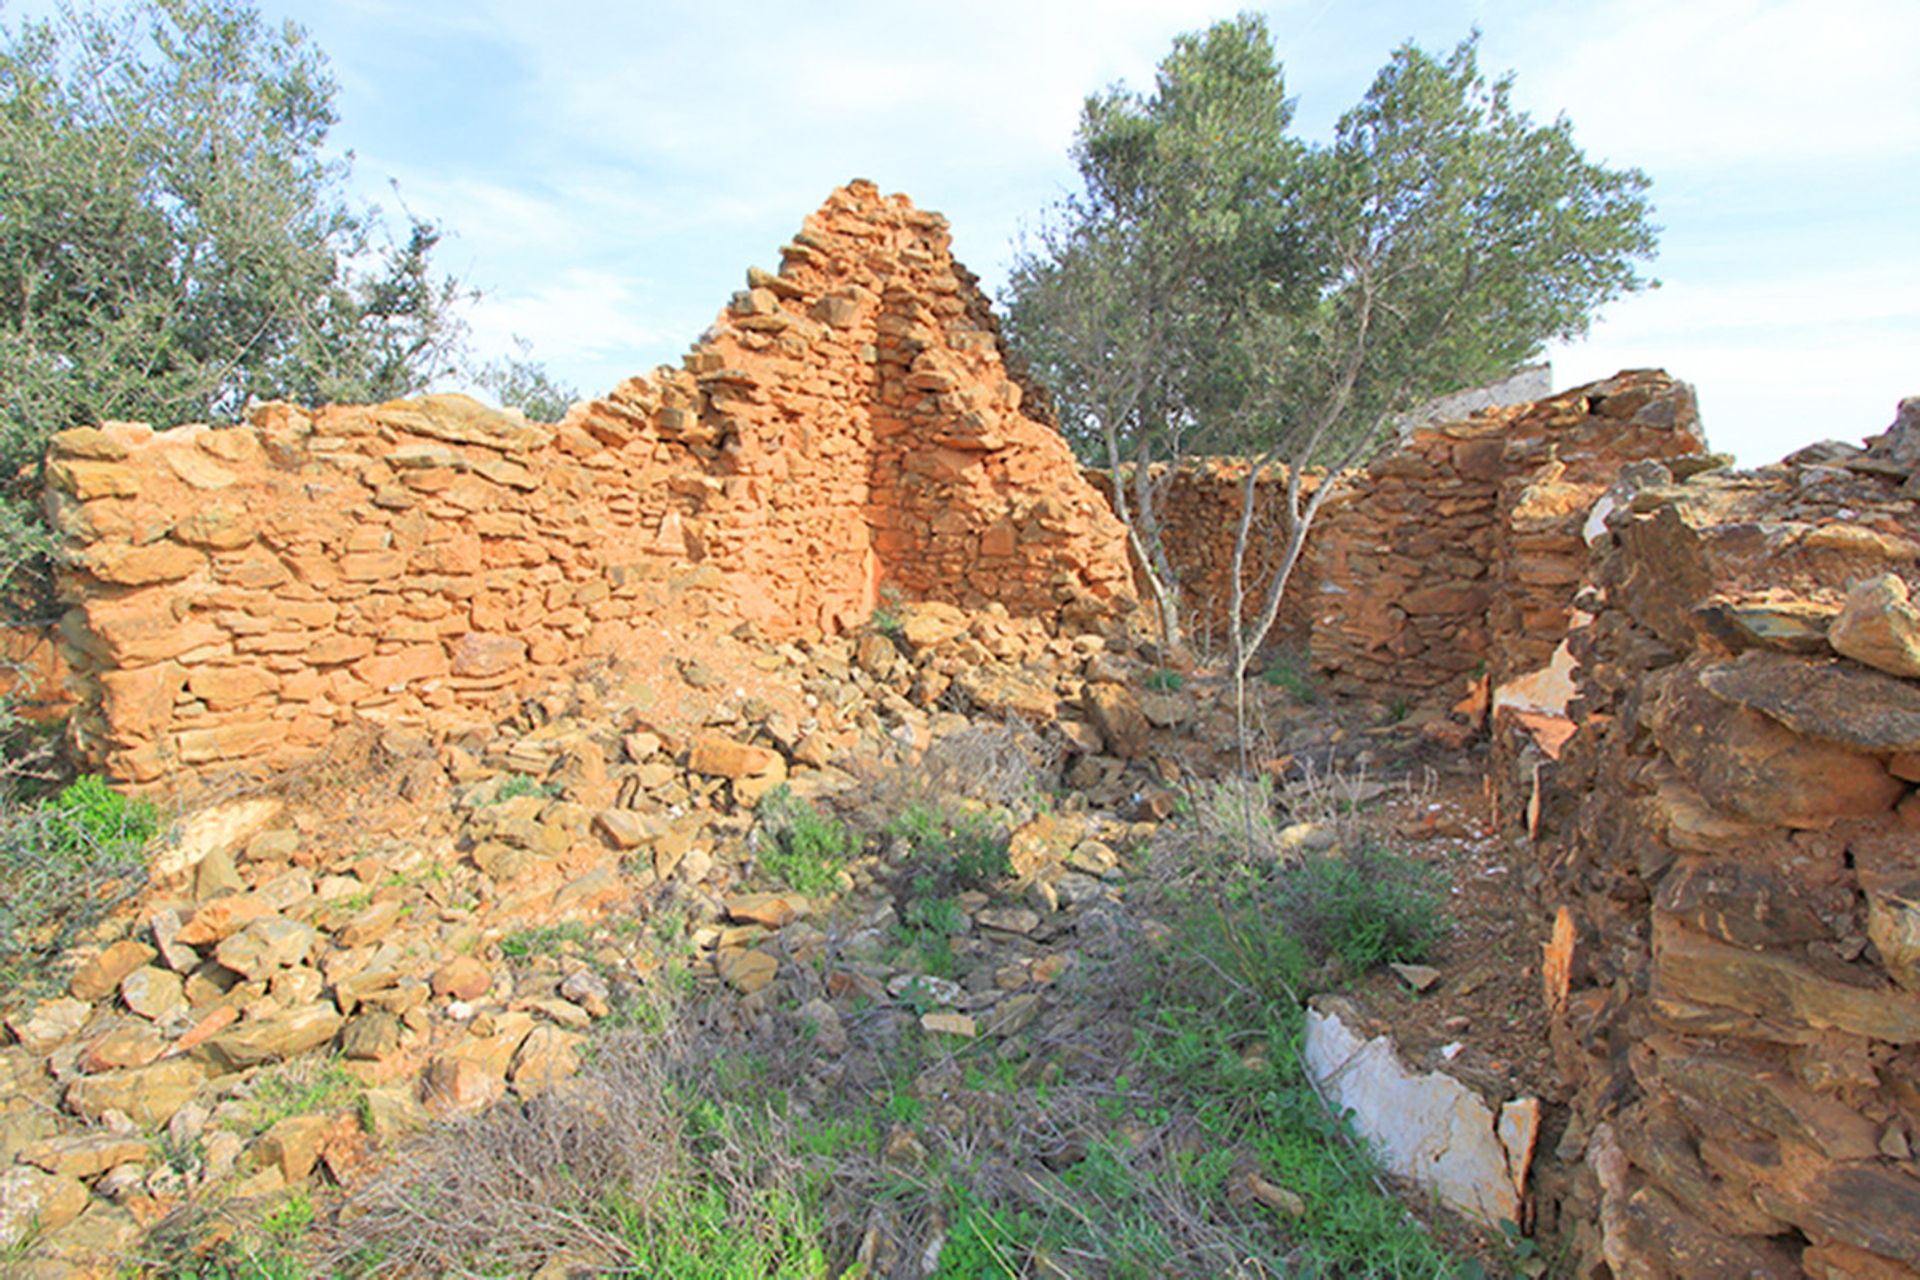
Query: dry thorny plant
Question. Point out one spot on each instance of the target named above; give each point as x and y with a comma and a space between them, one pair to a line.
567, 1174
1008, 766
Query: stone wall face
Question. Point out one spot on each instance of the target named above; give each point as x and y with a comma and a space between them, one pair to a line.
1199, 505
1732, 842
1460, 551
239, 594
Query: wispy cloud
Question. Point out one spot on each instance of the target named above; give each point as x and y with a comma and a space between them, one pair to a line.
610, 168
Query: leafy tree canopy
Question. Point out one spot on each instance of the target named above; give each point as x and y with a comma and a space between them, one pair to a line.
174, 240
1218, 283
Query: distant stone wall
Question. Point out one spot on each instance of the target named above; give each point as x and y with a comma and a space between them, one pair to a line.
1459, 552
237, 595
1199, 507
1731, 840
1455, 553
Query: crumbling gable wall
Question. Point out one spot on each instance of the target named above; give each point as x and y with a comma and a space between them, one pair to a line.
239, 594
1731, 840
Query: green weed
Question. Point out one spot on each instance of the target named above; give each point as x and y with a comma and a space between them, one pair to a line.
1365, 908
545, 939
1217, 1030
65, 861
803, 848
519, 784
886, 614
1164, 680
1287, 674
983, 1243
290, 1219
950, 850
298, 1088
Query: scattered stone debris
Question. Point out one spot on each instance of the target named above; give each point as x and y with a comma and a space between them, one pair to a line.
525, 686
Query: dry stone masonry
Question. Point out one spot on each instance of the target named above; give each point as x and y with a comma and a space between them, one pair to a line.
846, 426
1702, 685
1732, 842
1459, 551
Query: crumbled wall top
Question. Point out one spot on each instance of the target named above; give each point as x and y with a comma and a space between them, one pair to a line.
846, 425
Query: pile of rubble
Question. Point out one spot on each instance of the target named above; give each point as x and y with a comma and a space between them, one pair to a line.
436, 924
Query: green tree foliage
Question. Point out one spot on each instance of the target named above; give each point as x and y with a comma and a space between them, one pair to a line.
520, 382
175, 240
1219, 285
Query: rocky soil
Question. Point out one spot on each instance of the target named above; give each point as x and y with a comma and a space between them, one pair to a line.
411, 931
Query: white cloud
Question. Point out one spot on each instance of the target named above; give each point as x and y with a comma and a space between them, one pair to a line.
646, 153
1727, 83
582, 317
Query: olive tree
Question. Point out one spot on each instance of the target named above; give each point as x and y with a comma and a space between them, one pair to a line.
174, 239
1219, 285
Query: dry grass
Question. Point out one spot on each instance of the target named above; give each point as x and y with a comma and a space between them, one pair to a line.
1008, 766
593, 1173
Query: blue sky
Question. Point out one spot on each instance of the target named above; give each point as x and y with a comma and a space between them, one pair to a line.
609, 170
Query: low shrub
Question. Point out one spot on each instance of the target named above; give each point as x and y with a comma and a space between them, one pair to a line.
65, 860
948, 850
801, 847
1364, 908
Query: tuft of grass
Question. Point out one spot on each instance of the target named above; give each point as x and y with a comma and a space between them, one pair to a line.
1366, 908
1287, 674
1233, 821
300, 1087
65, 861
984, 1242
544, 939
803, 848
886, 617
200, 1240
519, 784
1165, 680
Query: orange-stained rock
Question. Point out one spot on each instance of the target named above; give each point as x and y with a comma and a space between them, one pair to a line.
143, 566
480, 654
847, 425
1879, 626
1115, 712
223, 917
416, 662
718, 757
223, 687
1756, 768
101, 974
463, 978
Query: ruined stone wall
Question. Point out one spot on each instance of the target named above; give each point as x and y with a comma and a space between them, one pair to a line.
1459, 552
239, 594
1731, 841
32, 672
1199, 506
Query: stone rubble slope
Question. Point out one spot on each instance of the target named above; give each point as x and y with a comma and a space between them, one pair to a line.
437, 927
